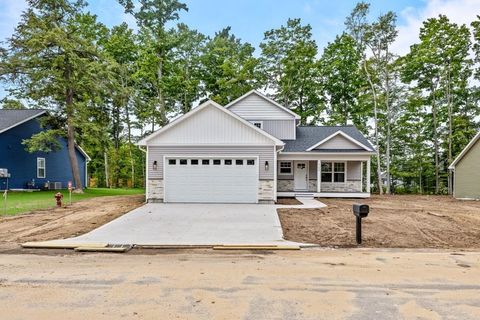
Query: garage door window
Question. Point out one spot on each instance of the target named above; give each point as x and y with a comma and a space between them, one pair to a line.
250, 162
239, 162
216, 162
205, 162
194, 162
172, 162
228, 162
183, 161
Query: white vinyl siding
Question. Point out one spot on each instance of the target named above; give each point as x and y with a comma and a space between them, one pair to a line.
219, 180
41, 168
256, 107
281, 129
264, 153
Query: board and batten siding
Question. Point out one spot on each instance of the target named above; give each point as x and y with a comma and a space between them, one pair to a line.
258, 108
467, 174
264, 153
210, 126
281, 129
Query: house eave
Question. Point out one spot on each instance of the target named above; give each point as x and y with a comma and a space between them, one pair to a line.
144, 141
464, 151
296, 116
23, 121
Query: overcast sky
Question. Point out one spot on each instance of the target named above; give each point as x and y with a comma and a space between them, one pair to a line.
249, 19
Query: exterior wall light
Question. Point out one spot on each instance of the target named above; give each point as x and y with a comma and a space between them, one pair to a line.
155, 166
266, 165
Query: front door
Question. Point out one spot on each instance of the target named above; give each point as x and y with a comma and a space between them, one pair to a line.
301, 175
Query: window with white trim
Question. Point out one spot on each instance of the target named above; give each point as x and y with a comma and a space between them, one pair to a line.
285, 168
258, 124
41, 171
333, 172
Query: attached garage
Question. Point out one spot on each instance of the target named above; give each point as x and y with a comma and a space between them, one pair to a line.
211, 155
211, 179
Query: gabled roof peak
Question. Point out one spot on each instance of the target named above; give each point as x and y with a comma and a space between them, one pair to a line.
258, 93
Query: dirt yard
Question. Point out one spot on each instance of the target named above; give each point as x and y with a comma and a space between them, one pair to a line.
394, 222
78, 218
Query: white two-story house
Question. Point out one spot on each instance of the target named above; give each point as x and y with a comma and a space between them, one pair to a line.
253, 150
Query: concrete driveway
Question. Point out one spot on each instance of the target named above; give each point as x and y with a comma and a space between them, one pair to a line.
191, 224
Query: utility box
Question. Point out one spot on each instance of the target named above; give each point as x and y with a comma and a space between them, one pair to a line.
361, 210
4, 173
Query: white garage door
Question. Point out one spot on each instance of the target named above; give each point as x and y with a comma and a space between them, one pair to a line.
211, 180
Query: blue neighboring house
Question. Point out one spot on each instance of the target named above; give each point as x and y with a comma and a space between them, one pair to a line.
37, 170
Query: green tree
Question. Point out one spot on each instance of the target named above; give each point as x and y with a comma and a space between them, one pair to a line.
439, 65
290, 70
375, 39
229, 68
152, 17
52, 60
186, 84
121, 47
11, 104
342, 81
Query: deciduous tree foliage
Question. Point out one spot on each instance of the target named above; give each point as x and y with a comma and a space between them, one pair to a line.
108, 87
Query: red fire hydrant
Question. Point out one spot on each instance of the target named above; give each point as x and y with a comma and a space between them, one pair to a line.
58, 196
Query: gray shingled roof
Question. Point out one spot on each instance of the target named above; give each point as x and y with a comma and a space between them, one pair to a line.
10, 118
309, 136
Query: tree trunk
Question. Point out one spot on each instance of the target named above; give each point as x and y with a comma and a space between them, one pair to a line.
107, 178
435, 140
450, 131
161, 98
72, 155
389, 116
129, 133
375, 112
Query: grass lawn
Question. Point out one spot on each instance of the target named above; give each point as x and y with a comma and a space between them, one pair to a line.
19, 202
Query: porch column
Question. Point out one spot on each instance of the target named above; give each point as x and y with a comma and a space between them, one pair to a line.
368, 175
319, 169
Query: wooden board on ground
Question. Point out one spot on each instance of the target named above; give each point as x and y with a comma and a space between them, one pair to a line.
111, 248
53, 245
173, 246
256, 248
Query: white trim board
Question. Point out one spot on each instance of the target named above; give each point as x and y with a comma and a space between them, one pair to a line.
264, 97
204, 105
346, 136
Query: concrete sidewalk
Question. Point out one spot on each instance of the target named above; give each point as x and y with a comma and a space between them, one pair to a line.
191, 224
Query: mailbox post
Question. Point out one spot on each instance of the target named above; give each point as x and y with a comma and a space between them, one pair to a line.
360, 211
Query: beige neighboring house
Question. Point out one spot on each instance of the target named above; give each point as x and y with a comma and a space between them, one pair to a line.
466, 171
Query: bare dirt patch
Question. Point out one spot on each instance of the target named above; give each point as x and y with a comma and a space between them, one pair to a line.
394, 221
288, 201
58, 223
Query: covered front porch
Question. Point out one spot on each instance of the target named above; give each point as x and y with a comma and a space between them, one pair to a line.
345, 176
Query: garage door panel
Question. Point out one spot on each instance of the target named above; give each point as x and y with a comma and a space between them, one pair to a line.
211, 183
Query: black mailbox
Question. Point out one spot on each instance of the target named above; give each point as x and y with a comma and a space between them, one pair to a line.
361, 210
